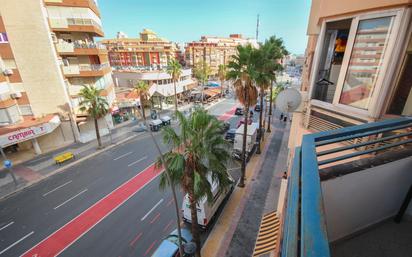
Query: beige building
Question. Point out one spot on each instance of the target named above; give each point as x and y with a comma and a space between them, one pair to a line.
358, 65
47, 52
214, 50
147, 50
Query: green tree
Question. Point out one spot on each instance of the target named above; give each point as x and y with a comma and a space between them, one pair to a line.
263, 77
142, 89
95, 105
241, 70
277, 52
202, 72
175, 71
222, 76
198, 154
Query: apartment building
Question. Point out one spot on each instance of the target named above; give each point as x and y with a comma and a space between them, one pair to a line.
348, 187
358, 65
47, 52
161, 91
147, 50
214, 50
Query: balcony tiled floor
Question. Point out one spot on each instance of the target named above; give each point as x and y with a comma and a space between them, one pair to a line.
384, 240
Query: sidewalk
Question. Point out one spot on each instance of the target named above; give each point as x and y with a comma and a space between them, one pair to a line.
236, 230
42, 166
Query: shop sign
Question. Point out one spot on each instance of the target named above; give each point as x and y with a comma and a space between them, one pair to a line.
28, 133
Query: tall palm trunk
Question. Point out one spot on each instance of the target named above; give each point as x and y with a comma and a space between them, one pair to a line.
193, 215
177, 210
221, 88
258, 151
246, 115
174, 85
96, 127
142, 106
270, 106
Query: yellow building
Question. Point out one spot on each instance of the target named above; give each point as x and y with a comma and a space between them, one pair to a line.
147, 50
47, 52
214, 50
358, 65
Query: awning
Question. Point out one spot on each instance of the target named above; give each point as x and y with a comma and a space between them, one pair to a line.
28, 129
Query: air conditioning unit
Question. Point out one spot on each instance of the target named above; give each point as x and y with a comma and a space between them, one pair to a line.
16, 95
7, 72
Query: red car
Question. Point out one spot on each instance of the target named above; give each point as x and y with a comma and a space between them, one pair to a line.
242, 121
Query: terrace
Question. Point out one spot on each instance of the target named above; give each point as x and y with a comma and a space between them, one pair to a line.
339, 204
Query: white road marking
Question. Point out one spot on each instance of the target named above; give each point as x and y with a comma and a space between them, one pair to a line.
51, 191
71, 198
121, 156
154, 207
11, 223
18, 241
133, 163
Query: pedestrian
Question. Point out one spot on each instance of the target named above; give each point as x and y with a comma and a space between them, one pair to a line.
281, 116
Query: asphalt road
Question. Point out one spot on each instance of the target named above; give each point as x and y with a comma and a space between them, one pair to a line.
117, 185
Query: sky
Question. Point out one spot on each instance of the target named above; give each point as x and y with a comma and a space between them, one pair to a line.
187, 20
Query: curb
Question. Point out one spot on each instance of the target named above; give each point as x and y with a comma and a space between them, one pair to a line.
71, 164
227, 236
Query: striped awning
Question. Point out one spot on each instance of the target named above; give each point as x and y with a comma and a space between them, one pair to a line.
268, 234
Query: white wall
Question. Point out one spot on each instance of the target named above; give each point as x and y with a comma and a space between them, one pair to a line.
88, 132
358, 200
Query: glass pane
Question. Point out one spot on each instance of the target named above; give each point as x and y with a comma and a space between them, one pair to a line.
366, 61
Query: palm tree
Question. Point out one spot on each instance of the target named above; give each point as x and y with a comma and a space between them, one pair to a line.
222, 76
277, 52
199, 154
175, 71
142, 89
242, 70
95, 105
167, 178
263, 77
202, 72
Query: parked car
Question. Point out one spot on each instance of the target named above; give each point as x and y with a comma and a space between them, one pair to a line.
257, 108
169, 247
252, 131
206, 210
155, 125
242, 121
239, 111
165, 120
230, 135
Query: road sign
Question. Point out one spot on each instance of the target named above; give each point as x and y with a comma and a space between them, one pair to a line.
7, 164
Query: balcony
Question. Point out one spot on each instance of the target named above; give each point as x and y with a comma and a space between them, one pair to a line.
76, 25
86, 70
74, 3
338, 205
80, 48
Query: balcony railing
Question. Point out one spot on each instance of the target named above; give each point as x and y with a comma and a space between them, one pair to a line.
93, 67
83, 22
304, 225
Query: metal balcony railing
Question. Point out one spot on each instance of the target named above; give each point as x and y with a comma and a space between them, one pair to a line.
83, 22
93, 67
304, 227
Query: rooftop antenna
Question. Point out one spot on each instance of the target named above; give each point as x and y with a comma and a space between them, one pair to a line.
257, 28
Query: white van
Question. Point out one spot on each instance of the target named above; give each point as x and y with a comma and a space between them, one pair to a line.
205, 210
252, 130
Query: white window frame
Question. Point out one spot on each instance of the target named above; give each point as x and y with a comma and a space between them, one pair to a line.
398, 13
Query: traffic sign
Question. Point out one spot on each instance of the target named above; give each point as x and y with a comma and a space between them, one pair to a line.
7, 164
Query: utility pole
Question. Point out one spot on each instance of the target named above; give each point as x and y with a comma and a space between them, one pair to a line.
257, 28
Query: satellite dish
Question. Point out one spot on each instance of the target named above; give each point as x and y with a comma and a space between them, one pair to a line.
288, 100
